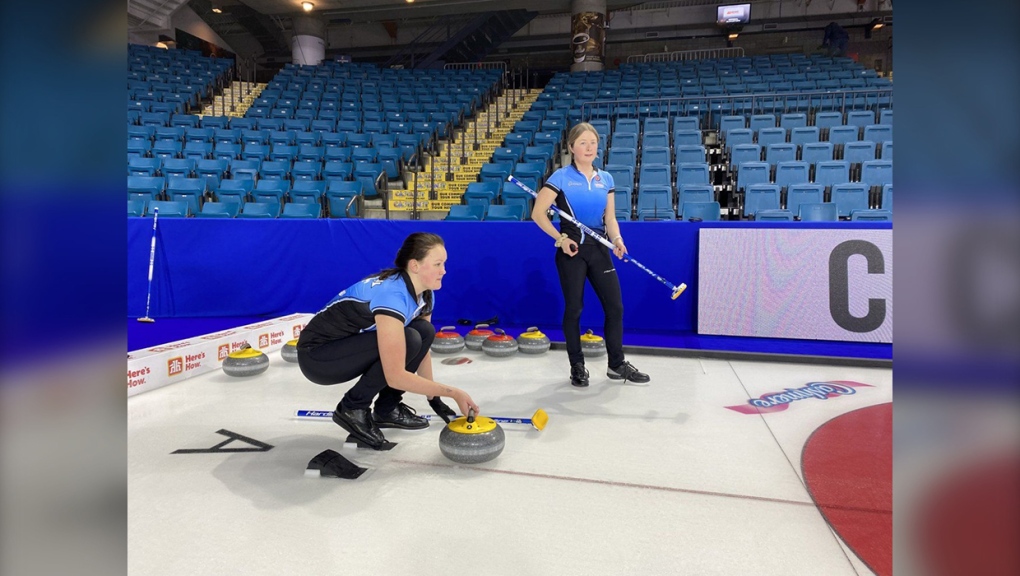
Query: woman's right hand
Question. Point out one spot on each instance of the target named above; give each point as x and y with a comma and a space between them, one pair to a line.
569, 247
464, 402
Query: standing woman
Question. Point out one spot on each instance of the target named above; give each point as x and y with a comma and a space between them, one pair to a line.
586, 193
380, 330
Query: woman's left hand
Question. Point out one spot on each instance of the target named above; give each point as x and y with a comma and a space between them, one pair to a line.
619, 248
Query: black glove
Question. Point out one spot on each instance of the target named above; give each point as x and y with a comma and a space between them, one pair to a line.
441, 409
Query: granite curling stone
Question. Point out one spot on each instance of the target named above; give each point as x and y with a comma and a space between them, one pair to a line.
499, 345
533, 342
245, 362
289, 351
472, 439
447, 341
474, 338
592, 345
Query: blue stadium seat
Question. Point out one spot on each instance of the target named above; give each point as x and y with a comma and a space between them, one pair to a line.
744, 153
887, 197
625, 140
654, 202
751, 173
343, 198
828, 120
760, 197
188, 190
623, 125
308, 191
484, 193
622, 200
684, 137
687, 154
706, 211
219, 210
168, 208
858, 152
144, 166
658, 156
832, 172
839, 136
275, 170
783, 152
237, 190
339, 170
739, 136
860, 118
693, 193
804, 135
692, 173
793, 120
501, 212
815, 152
259, 210
768, 215
212, 170
821, 212
462, 212
136, 207
794, 172
798, 194
871, 216
301, 210
305, 170
685, 123
769, 136
728, 123
849, 197
760, 121
876, 172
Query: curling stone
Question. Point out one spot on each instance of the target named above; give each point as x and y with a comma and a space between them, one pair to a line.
447, 341
499, 345
474, 338
533, 342
245, 362
592, 345
289, 351
472, 439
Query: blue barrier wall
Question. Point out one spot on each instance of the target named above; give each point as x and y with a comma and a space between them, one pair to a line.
218, 268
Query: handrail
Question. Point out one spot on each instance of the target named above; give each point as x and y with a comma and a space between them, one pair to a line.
753, 102
475, 65
681, 55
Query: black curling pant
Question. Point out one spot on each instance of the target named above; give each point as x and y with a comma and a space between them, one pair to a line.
358, 355
593, 262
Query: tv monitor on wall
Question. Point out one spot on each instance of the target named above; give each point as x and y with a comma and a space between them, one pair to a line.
733, 14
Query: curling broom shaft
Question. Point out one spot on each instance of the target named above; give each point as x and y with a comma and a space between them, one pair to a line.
677, 290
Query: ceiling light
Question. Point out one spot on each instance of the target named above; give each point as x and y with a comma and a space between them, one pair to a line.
733, 36
217, 10
307, 6
410, 1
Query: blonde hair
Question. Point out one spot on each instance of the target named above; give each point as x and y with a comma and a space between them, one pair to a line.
577, 130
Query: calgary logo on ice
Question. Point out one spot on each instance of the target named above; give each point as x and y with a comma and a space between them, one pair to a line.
779, 401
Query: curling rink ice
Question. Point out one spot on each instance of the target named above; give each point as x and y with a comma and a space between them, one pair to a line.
660, 478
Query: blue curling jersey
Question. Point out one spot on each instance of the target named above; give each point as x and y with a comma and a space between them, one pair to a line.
581, 198
353, 310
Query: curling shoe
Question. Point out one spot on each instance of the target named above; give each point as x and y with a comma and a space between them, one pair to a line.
403, 416
358, 422
627, 371
578, 375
